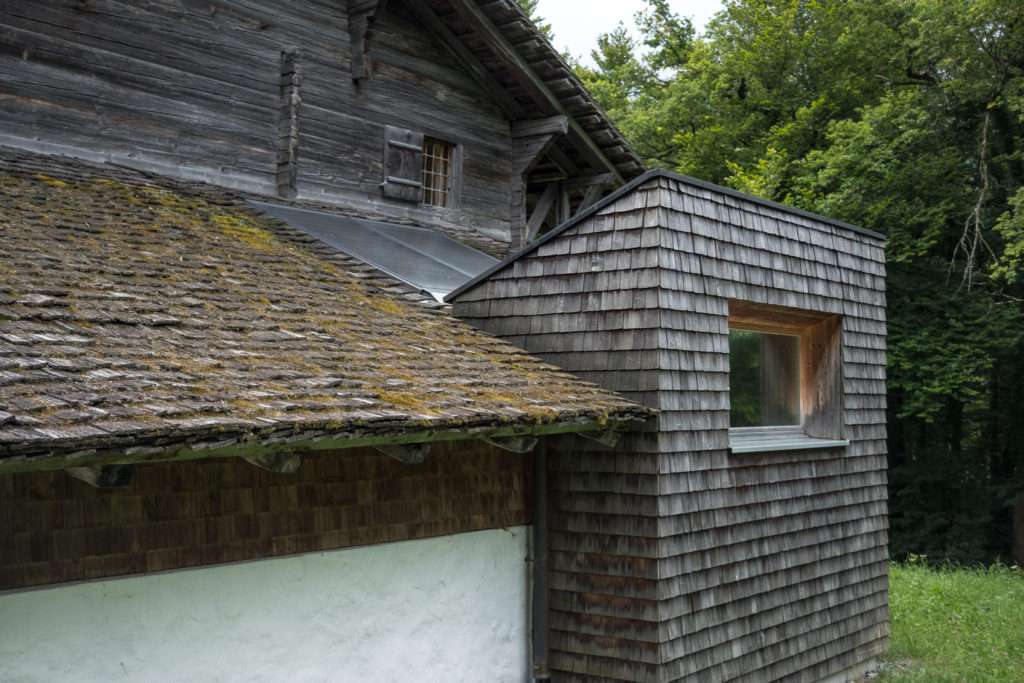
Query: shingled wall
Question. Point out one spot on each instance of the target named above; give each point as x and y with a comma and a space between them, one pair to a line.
673, 558
55, 529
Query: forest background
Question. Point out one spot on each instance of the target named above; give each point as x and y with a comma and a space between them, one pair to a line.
905, 117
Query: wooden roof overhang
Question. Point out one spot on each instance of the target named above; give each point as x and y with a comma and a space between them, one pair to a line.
264, 441
561, 135
513, 62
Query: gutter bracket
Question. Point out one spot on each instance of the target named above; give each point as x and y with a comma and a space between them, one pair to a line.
286, 462
517, 444
409, 453
104, 476
608, 438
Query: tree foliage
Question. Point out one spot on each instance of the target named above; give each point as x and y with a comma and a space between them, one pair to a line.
530, 7
905, 117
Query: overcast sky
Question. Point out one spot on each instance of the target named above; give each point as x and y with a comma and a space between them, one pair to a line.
577, 23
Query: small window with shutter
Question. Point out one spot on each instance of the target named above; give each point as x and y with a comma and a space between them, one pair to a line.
419, 169
403, 164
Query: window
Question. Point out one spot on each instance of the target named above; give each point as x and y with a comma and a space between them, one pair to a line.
437, 164
785, 378
418, 168
764, 379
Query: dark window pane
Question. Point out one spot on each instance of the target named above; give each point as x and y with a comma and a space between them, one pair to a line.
437, 157
764, 379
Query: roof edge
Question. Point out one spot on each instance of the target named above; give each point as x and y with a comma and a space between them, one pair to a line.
288, 440
630, 187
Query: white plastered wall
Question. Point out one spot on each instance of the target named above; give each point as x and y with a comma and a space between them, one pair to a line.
452, 608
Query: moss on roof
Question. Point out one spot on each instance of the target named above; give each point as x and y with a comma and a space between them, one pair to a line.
136, 311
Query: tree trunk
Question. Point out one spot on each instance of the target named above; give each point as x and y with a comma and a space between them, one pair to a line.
1018, 535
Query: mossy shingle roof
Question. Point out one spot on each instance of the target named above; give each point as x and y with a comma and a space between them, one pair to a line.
144, 319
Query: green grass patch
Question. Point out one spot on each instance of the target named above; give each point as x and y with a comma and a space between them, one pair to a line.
955, 624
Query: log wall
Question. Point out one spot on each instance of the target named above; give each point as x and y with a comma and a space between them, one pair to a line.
672, 557
193, 89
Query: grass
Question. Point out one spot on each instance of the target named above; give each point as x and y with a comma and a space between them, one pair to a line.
955, 624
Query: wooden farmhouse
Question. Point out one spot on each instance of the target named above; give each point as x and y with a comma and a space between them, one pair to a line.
242, 437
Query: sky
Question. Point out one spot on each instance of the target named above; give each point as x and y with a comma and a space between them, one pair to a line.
577, 23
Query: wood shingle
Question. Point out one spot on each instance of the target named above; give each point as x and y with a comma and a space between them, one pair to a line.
769, 565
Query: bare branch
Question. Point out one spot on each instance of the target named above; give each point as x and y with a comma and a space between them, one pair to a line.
971, 239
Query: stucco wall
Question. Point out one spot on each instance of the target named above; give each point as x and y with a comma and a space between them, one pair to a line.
439, 609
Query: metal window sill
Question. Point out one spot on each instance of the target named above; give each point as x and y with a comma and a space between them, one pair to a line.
768, 439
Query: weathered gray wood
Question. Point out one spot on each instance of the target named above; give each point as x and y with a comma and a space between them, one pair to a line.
540, 211
287, 155
361, 16
546, 126
771, 564
537, 88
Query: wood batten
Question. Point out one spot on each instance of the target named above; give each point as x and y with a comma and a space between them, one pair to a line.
361, 16
523, 443
104, 476
288, 139
283, 462
409, 453
116, 87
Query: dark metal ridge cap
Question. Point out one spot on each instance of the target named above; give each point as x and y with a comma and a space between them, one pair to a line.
633, 185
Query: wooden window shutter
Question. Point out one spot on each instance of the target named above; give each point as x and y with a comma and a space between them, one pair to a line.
403, 164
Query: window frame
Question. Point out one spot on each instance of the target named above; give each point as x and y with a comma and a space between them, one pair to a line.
430, 163
404, 168
820, 378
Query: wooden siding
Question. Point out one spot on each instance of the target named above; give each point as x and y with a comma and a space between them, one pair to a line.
673, 559
194, 89
184, 514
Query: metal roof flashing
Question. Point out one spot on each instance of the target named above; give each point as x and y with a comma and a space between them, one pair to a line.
420, 257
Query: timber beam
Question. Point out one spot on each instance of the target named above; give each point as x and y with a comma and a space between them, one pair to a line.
558, 125
361, 15
532, 139
540, 211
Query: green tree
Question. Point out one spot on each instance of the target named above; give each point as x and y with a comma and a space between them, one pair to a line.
530, 7
906, 117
